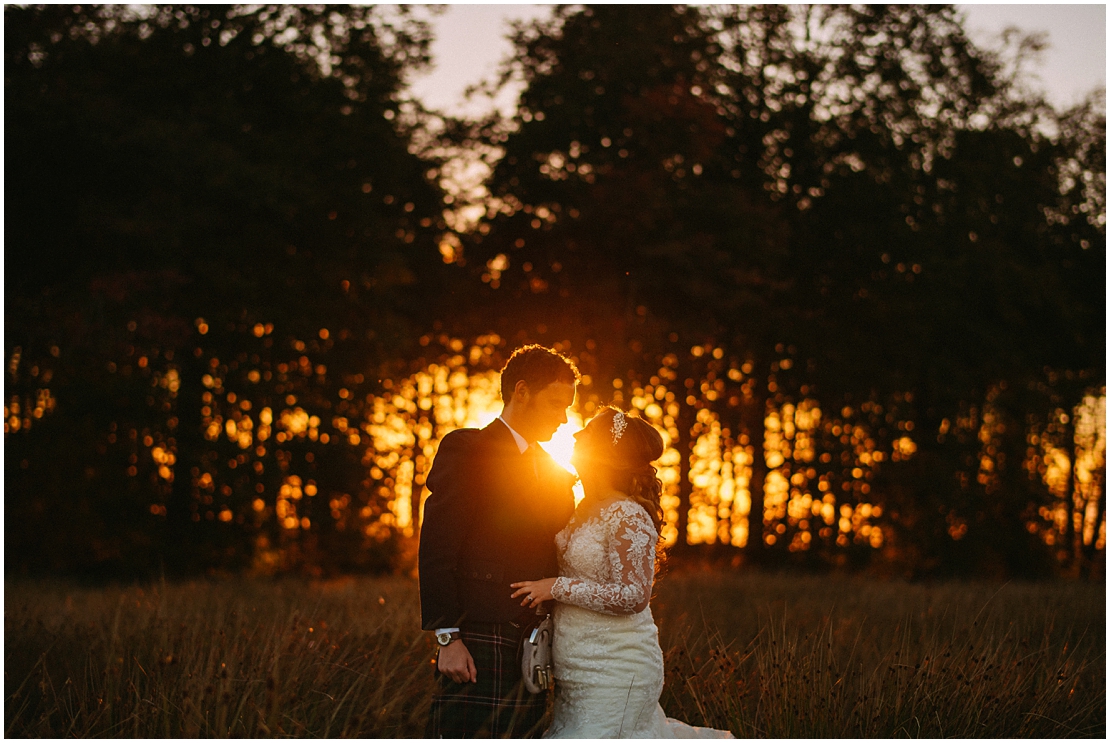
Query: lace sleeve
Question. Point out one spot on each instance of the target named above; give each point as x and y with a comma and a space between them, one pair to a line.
632, 540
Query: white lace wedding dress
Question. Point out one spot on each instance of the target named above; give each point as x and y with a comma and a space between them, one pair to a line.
608, 665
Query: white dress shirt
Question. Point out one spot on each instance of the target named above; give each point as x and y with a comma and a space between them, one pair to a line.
520, 442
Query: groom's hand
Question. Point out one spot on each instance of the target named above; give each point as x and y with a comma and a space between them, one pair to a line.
456, 663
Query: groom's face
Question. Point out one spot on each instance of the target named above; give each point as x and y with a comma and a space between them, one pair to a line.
546, 410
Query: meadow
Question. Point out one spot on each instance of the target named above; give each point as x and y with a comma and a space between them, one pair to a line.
764, 655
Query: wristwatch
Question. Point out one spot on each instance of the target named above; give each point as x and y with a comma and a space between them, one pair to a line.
447, 638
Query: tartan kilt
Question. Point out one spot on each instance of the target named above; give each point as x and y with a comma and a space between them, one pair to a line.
497, 705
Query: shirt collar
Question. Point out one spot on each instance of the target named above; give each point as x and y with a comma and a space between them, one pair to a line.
520, 442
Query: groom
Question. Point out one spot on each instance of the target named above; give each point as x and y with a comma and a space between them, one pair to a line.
497, 501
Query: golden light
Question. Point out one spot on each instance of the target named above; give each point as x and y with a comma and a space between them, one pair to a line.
798, 507
484, 418
561, 447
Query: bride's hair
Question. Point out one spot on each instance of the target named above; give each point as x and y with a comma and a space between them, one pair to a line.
626, 447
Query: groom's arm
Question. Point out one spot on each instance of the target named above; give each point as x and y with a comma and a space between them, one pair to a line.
447, 520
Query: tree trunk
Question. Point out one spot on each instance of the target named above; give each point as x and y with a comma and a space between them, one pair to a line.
1090, 551
1073, 537
179, 533
755, 429
685, 447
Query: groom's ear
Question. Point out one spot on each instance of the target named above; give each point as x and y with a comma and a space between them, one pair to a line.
521, 392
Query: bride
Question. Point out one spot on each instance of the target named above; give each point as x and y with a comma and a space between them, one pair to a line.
608, 664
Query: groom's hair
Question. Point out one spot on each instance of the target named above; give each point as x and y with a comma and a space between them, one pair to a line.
538, 366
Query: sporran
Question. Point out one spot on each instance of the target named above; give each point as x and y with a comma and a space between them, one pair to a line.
535, 658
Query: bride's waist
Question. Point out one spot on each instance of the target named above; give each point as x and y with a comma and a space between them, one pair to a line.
589, 646
569, 615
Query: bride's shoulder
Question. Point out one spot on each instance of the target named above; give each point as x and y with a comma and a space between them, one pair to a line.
623, 508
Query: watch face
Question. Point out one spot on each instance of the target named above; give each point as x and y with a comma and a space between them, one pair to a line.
444, 639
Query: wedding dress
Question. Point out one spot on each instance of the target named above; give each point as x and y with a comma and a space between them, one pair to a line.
608, 664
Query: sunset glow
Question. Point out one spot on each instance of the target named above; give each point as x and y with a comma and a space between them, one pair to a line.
561, 447
807, 499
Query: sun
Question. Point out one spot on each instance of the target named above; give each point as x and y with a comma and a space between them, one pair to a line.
561, 444
561, 447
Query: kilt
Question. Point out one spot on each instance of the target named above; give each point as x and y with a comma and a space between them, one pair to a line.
497, 705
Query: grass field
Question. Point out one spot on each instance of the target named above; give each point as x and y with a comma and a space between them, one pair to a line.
763, 655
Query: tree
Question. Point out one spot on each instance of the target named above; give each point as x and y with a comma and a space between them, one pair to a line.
234, 187
856, 193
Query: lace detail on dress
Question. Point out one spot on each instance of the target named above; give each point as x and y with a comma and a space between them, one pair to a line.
614, 569
608, 665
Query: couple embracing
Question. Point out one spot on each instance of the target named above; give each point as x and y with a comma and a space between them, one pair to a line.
502, 544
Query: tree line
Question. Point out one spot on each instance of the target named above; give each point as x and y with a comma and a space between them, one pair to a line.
234, 216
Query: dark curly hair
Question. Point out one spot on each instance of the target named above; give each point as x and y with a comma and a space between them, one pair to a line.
628, 458
538, 366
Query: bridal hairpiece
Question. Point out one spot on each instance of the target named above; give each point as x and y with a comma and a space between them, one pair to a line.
619, 424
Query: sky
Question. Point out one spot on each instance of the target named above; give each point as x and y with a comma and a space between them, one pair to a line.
470, 41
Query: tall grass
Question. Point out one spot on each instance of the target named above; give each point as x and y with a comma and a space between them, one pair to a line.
792, 657
763, 655
237, 658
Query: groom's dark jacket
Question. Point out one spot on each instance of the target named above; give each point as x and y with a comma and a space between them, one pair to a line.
491, 520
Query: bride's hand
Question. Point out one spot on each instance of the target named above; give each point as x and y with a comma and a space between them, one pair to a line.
535, 592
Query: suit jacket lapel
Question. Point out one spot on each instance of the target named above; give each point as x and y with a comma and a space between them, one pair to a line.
500, 436
512, 473
527, 490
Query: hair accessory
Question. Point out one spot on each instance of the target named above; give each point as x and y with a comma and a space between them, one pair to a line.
619, 424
